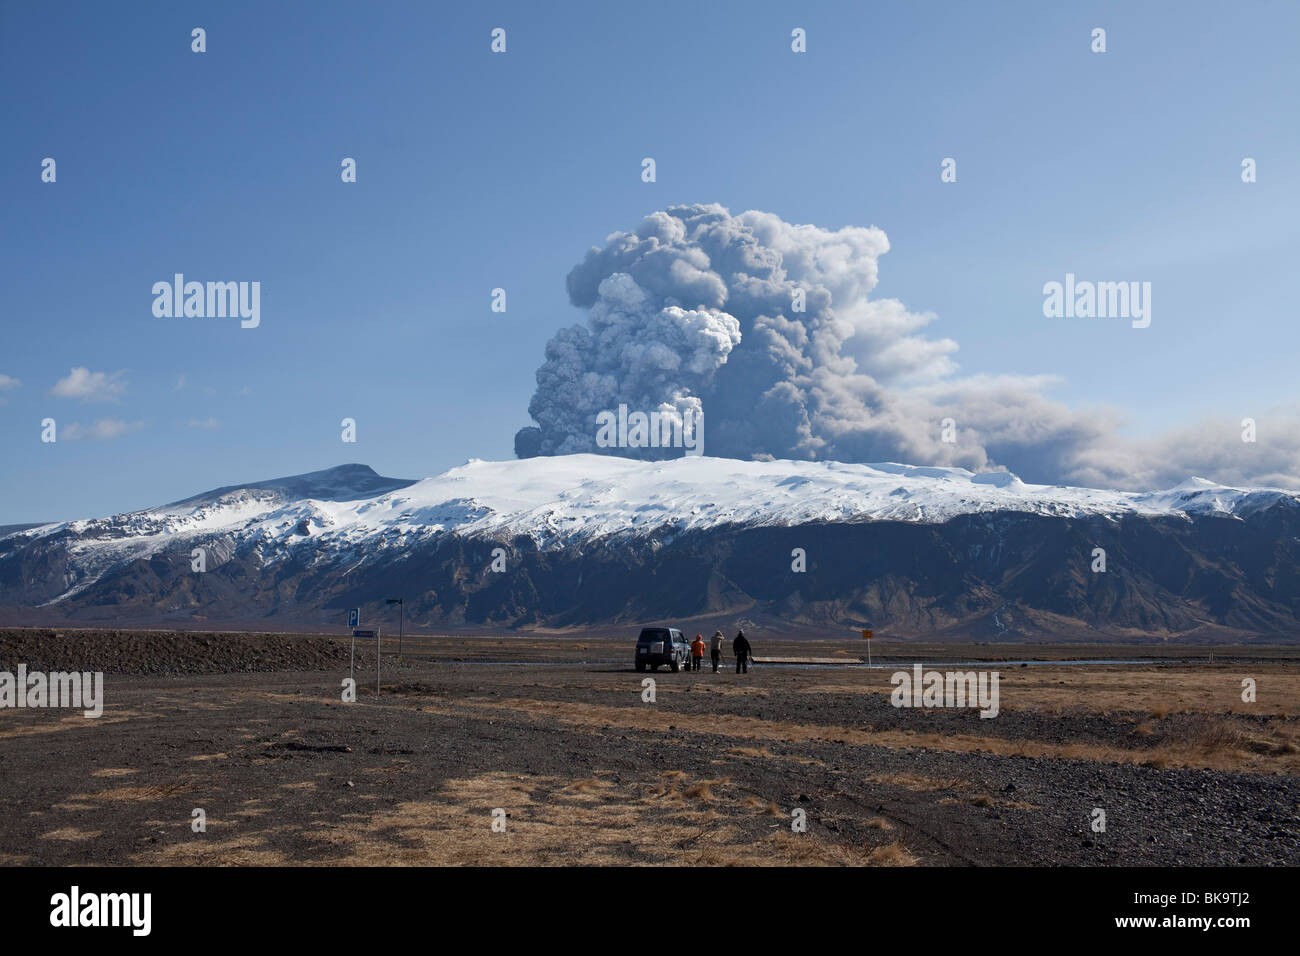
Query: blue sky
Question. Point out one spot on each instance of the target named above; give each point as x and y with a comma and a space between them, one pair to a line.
478, 170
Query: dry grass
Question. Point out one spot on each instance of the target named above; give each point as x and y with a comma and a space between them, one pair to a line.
911, 781
158, 792
247, 849
551, 822
750, 752
1221, 743
768, 807
891, 854
71, 833
34, 722
703, 789
1173, 753
1159, 691
1213, 735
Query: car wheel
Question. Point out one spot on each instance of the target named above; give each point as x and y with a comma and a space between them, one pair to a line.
674, 665
640, 667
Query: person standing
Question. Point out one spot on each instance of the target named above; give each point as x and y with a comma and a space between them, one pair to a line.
697, 652
742, 651
717, 649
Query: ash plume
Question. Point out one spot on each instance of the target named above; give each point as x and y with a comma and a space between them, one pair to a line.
696, 309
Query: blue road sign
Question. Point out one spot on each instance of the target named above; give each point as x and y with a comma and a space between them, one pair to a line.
354, 617
367, 633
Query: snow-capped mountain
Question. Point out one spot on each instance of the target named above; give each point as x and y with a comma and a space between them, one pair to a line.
307, 545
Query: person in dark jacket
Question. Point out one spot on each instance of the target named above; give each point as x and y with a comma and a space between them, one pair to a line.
740, 646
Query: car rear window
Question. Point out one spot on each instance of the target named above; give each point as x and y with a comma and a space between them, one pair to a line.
650, 635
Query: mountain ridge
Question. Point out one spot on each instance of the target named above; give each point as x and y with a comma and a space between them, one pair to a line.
589, 539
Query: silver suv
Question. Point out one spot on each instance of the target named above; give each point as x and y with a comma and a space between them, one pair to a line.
662, 645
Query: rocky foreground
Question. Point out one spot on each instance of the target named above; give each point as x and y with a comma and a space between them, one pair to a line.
582, 768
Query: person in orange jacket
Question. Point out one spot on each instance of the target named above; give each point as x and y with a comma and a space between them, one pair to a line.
697, 652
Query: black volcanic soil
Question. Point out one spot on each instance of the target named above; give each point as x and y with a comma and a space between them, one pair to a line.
251, 729
172, 652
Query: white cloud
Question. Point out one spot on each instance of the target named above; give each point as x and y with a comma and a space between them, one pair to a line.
91, 386
8, 382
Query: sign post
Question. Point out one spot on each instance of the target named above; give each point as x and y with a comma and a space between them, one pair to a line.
867, 635
354, 621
